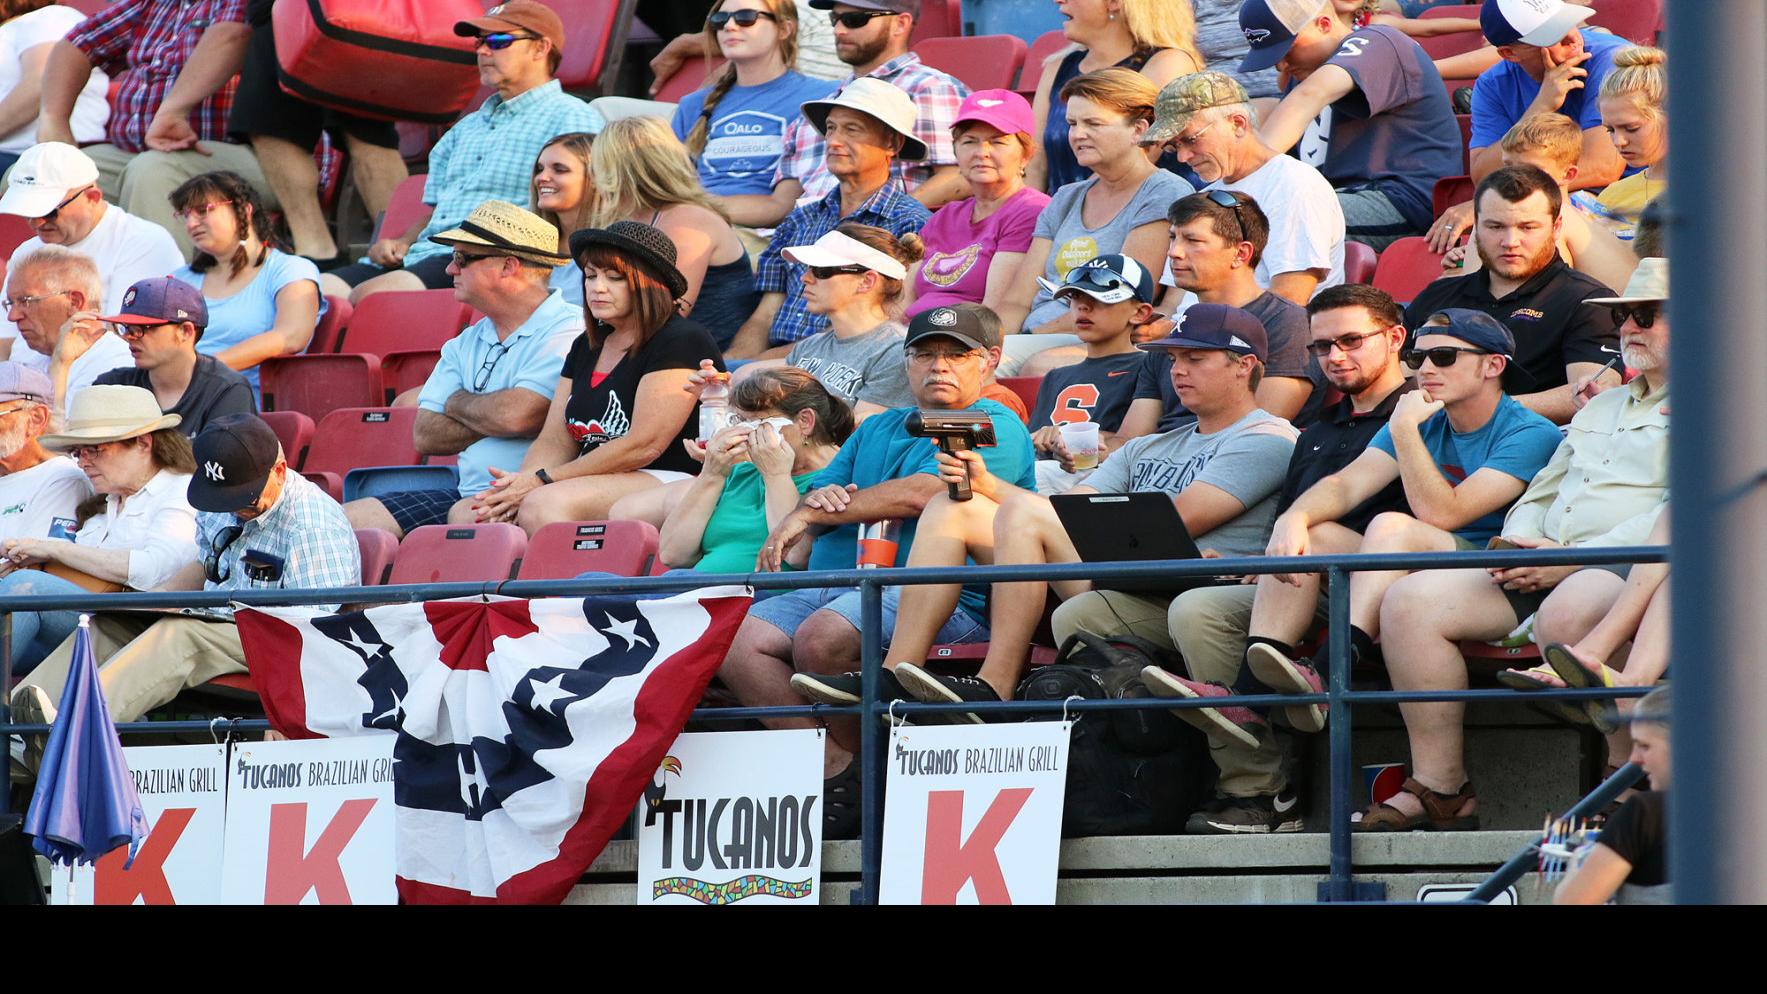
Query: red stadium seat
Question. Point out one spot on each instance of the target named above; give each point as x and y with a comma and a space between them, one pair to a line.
363, 436
1638, 21
1450, 190
14, 231
1465, 122
937, 19
378, 549
1048, 43
294, 430
563, 549
1025, 387
595, 38
1458, 43
404, 320
1359, 263
401, 371
331, 326
691, 76
403, 208
316, 385
1041, 655
1406, 267
982, 62
459, 553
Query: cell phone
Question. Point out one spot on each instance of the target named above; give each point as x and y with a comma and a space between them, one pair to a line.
1498, 542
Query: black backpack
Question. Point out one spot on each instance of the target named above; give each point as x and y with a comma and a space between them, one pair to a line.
1136, 772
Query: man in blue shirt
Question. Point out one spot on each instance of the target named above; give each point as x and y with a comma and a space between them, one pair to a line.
1548, 67
882, 473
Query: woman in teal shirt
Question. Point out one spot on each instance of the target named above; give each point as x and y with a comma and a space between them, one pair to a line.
787, 427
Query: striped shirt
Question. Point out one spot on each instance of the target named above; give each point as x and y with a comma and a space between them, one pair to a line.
888, 208
304, 535
143, 45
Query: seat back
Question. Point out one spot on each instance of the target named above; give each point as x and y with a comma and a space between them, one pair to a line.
404, 320
595, 41
372, 481
692, 75
937, 19
330, 329
1450, 190
316, 385
459, 553
401, 371
404, 207
1458, 43
1406, 267
563, 549
1025, 386
980, 62
14, 231
1048, 43
1465, 122
378, 548
363, 436
1638, 21
294, 430
1359, 262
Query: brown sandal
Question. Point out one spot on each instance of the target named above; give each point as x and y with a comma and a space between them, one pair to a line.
1441, 812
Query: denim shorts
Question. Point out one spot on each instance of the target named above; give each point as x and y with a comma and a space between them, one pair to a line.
790, 609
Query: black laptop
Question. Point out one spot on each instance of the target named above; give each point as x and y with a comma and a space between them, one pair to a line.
1141, 527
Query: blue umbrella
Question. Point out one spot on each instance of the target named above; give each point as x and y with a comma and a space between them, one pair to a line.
85, 803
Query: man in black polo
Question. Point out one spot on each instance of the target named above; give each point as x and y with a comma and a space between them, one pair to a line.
1562, 344
162, 320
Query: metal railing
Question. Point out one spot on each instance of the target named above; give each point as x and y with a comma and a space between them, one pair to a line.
1338, 697
1521, 862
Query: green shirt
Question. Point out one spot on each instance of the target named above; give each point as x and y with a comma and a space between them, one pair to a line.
738, 526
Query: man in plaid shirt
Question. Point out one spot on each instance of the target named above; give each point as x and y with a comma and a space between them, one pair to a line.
877, 48
166, 125
868, 125
262, 526
487, 155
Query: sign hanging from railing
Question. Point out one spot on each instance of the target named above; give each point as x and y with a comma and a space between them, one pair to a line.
182, 791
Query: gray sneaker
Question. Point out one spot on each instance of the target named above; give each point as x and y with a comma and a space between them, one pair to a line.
1259, 815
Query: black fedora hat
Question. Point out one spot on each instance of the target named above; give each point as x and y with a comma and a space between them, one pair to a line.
650, 247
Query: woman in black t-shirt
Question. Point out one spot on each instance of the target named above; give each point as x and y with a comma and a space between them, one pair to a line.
620, 412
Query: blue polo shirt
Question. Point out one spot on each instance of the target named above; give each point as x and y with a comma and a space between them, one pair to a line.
532, 358
1503, 93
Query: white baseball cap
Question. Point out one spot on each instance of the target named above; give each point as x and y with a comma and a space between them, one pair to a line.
1531, 22
836, 249
45, 174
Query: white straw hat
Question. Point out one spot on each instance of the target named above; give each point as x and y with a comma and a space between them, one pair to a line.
109, 413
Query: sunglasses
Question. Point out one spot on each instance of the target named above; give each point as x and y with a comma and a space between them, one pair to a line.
211, 564
830, 272
501, 40
1221, 198
854, 19
743, 18
1343, 343
1643, 315
1442, 356
483, 377
47, 218
461, 260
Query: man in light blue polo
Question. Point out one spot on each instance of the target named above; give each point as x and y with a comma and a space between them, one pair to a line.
489, 393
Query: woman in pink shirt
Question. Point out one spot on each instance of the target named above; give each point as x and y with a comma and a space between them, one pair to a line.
974, 246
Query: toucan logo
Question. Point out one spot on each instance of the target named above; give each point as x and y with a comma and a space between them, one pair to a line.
659, 787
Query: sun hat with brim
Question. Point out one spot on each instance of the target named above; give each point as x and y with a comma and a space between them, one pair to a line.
1650, 281
109, 413
646, 245
508, 230
836, 249
878, 98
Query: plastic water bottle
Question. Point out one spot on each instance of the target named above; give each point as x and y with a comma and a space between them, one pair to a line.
714, 406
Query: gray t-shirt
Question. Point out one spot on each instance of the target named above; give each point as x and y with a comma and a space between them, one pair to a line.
1247, 459
1223, 45
1071, 243
866, 367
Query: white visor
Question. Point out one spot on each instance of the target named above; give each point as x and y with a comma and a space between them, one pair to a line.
836, 249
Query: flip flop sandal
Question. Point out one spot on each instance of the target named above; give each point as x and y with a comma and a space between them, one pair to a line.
1441, 812
1574, 673
1531, 679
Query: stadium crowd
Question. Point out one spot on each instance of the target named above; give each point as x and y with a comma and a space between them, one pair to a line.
1166, 235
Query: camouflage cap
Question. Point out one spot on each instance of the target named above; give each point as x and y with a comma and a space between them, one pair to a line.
1180, 99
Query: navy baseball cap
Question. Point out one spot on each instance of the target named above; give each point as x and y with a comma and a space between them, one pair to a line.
1475, 328
234, 457
1270, 27
1216, 326
947, 322
1108, 279
161, 300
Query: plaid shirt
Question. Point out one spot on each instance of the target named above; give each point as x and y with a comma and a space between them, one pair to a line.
143, 45
305, 530
888, 208
489, 155
936, 97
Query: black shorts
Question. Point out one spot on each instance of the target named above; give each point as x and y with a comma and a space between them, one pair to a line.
416, 508
433, 271
260, 107
1525, 603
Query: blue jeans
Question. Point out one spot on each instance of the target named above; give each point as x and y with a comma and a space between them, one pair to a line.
35, 634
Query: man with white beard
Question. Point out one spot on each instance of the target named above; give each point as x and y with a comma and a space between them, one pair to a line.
38, 491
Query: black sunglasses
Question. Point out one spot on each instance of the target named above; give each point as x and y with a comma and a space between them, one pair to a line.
47, 218
501, 40
1442, 356
1221, 198
211, 564
743, 18
1644, 315
830, 272
1343, 343
853, 19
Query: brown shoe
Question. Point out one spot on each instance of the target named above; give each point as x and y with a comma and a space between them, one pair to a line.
1441, 812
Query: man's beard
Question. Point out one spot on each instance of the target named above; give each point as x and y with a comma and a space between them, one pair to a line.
1640, 358
1540, 260
863, 53
13, 439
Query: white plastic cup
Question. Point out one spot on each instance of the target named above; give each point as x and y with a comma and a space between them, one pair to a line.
1081, 440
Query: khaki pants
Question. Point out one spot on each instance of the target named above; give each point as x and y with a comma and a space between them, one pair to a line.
1207, 626
143, 662
142, 183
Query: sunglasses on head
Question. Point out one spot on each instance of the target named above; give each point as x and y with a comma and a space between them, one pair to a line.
853, 19
1441, 357
501, 40
1643, 315
1221, 198
830, 272
743, 18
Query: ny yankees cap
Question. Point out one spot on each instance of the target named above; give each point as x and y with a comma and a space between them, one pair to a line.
1271, 25
1531, 22
1108, 279
234, 457
1216, 326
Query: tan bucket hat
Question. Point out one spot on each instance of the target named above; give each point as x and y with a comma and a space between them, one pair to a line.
109, 413
880, 99
1650, 281
510, 230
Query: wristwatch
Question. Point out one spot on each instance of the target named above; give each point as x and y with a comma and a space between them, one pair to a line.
544, 476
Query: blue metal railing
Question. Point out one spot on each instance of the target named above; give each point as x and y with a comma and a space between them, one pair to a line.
1338, 696
1521, 862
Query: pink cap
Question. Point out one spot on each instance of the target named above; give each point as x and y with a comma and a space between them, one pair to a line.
1001, 109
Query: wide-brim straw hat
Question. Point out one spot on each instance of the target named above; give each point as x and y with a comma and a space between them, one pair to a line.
648, 246
109, 413
509, 230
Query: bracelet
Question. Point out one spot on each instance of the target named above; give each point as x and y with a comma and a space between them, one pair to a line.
544, 476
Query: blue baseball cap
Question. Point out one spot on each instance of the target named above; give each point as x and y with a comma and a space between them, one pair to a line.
1108, 279
1216, 326
161, 300
1475, 328
1270, 26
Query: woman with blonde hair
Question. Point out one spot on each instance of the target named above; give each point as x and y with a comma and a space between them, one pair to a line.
642, 173
1632, 101
560, 192
734, 127
1156, 38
